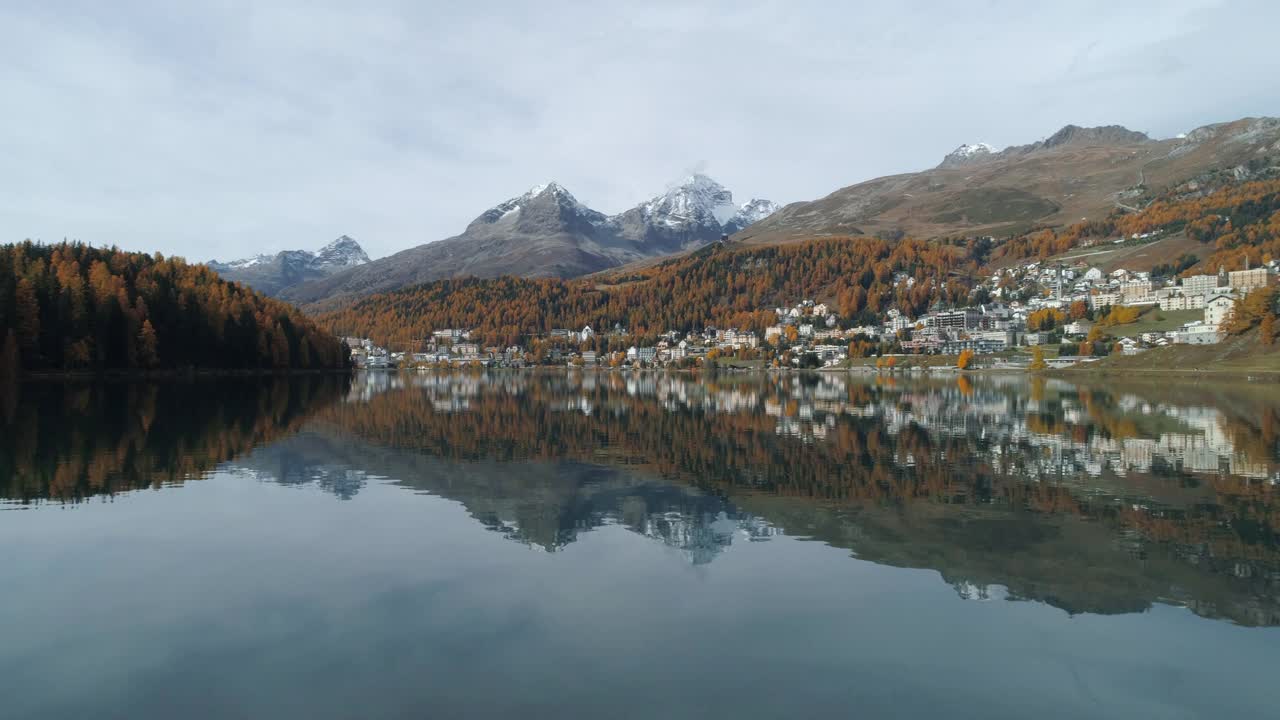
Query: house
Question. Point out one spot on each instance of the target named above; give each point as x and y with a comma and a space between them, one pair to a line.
1077, 327
1198, 333
1218, 308
644, 354
586, 334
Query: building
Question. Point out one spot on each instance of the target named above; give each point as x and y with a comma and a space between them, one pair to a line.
1172, 299
1218, 309
1199, 284
1101, 300
1198, 334
1134, 291
1244, 281
1077, 327
644, 354
954, 320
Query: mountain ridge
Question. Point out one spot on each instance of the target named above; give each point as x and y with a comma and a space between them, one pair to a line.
1076, 172
547, 232
272, 274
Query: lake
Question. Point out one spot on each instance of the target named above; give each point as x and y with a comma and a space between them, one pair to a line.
567, 544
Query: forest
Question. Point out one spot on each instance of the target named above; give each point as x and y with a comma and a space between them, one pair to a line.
737, 286
717, 286
73, 307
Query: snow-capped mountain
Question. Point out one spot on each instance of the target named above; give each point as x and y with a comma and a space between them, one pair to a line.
751, 212
968, 154
551, 191
341, 253
272, 274
547, 232
698, 200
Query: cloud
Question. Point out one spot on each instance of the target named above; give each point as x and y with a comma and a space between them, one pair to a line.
235, 128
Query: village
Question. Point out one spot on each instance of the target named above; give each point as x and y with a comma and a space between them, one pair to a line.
1072, 313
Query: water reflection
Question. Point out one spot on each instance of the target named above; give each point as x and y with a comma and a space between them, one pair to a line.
1092, 499
71, 441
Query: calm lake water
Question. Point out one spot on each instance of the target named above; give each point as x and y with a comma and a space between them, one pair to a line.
639, 546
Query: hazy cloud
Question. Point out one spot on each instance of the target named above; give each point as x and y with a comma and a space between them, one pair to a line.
240, 127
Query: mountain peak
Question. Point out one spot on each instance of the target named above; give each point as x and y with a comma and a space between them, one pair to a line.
696, 200
1101, 135
537, 195
968, 154
341, 253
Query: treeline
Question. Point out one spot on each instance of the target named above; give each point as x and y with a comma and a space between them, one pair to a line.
719, 286
1240, 220
74, 307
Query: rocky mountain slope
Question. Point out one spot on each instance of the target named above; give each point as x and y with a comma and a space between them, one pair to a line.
1075, 173
546, 232
271, 274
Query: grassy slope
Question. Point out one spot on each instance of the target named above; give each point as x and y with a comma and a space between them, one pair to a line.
1239, 355
1155, 320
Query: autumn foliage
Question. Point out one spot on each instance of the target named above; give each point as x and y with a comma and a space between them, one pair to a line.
718, 287
74, 307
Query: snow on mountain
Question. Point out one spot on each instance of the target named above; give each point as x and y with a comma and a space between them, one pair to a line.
341, 253
968, 154
753, 212
968, 150
273, 273
698, 200
552, 191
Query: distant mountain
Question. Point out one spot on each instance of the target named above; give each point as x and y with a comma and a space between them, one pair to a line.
546, 232
1077, 172
271, 274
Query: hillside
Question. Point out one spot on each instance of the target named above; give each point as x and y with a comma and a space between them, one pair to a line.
547, 232
1243, 354
74, 307
739, 284
1077, 173
718, 285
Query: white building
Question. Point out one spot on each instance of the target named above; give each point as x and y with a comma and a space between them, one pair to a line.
1218, 309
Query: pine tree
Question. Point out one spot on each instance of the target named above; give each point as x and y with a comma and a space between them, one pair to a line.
148, 351
27, 322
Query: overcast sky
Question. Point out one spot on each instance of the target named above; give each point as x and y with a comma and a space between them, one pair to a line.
240, 128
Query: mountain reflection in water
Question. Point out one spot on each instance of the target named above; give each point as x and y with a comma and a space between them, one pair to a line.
1089, 498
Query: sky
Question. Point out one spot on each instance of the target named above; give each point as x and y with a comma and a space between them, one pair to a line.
226, 129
